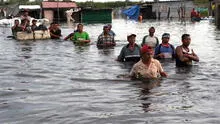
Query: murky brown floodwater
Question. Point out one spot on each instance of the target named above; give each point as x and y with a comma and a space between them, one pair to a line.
56, 82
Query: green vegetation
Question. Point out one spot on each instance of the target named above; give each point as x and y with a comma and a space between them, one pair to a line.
201, 3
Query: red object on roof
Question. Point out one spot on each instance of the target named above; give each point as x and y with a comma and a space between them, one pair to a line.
59, 5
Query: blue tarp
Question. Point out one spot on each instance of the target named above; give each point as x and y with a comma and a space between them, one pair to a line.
132, 12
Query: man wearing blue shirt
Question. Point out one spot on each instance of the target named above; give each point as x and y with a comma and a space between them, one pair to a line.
165, 49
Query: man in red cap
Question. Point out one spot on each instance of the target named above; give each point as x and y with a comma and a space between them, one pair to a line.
147, 67
131, 51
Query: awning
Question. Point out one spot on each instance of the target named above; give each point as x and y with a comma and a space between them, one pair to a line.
59, 5
29, 7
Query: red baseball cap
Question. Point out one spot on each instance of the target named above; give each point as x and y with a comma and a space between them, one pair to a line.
146, 49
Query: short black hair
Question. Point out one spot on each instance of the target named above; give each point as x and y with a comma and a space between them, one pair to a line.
152, 28
52, 23
184, 36
79, 24
34, 20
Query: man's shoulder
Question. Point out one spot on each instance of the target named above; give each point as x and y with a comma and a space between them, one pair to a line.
84, 32
178, 47
138, 46
172, 46
145, 36
100, 35
155, 61
139, 63
76, 33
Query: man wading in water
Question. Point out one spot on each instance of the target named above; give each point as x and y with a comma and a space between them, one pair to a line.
184, 54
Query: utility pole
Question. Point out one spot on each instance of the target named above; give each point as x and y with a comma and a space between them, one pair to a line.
58, 12
126, 2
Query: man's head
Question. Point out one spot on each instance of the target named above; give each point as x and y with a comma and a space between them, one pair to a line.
151, 31
186, 39
109, 26
146, 52
56, 25
165, 37
105, 29
80, 27
16, 22
34, 21
131, 38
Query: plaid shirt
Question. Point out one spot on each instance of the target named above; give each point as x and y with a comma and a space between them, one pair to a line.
105, 41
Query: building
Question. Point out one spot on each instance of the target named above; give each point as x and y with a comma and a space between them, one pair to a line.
56, 11
166, 9
33, 10
90, 15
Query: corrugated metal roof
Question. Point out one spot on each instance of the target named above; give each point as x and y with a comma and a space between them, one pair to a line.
58, 4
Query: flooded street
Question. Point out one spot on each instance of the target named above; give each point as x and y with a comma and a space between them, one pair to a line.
53, 81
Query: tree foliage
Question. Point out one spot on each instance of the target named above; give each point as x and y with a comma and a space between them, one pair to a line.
201, 3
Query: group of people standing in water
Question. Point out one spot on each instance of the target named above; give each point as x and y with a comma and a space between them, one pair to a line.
146, 56
151, 51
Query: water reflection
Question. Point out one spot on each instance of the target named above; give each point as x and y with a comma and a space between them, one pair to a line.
81, 49
145, 87
106, 51
26, 48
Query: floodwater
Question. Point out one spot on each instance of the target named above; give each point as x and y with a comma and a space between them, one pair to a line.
53, 81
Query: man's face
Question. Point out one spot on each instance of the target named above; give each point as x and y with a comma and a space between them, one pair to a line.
131, 39
106, 29
186, 41
151, 31
16, 22
165, 39
147, 56
80, 28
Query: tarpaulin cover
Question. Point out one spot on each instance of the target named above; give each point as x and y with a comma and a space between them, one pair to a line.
132, 12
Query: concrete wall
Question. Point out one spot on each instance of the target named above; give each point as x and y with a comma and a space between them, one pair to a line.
49, 15
163, 7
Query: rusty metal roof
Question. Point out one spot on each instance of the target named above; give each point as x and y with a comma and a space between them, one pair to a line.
59, 5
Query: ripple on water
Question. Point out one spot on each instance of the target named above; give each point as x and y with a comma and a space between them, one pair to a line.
56, 82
